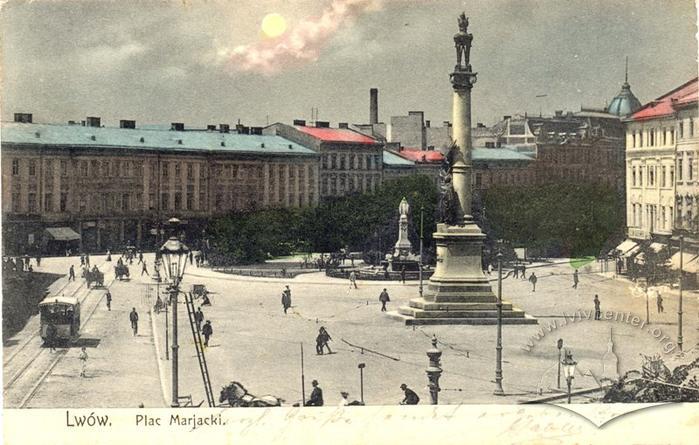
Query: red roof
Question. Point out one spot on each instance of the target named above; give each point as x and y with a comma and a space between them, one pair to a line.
665, 105
422, 156
336, 135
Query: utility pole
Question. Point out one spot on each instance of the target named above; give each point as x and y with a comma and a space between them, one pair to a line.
303, 381
679, 311
498, 345
422, 212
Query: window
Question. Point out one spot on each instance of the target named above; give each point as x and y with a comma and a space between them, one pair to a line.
640, 176
164, 201
680, 131
166, 167
672, 175
64, 168
663, 178
190, 171
32, 167
640, 138
680, 169
479, 179
16, 202
31, 203
691, 128
190, 201
202, 201
64, 202
83, 168
633, 177
151, 201
178, 201
690, 168
178, 170
15, 167
651, 176
125, 202
93, 168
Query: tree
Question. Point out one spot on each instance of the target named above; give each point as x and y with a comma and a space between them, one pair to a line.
653, 266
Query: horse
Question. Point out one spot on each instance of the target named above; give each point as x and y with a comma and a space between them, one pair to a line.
93, 276
237, 396
121, 271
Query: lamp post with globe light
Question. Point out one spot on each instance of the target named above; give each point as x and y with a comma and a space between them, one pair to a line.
174, 254
569, 370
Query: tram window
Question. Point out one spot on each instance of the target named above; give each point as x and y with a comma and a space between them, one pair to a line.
57, 314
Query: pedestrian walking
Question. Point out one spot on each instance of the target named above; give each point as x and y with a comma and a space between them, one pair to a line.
199, 318
524, 271
353, 279
516, 271
286, 299
490, 268
575, 279
659, 300
316, 398
384, 298
133, 316
51, 332
322, 341
533, 280
71, 273
144, 270
109, 255
191, 258
38, 261
87, 260
410, 397
83, 358
207, 331
82, 260
598, 312
108, 296
402, 274
344, 401
140, 257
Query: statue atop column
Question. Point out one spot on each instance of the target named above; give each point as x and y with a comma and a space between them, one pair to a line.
448, 201
403, 246
462, 42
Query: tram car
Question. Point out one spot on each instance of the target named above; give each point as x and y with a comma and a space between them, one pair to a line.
64, 314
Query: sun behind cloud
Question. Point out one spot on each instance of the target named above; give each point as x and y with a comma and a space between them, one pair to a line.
273, 25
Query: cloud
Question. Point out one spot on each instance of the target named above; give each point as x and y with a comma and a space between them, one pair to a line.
302, 44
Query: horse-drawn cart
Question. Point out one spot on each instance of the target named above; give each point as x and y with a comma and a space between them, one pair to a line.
93, 276
121, 271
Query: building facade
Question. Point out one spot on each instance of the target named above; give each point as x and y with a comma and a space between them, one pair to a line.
662, 156
113, 186
350, 162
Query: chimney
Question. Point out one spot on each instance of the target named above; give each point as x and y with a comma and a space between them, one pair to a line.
127, 124
374, 106
343, 125
92, 121
239, 128
256, 130
177, 126
506, 117
322, 124
299, 122
559, 113
480, 125
25, 118
427, 124
223, 128
211, 128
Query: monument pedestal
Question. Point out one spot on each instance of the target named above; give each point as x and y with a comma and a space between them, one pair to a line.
458, 292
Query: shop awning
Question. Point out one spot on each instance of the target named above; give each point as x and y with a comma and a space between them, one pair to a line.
655, 247
690, 262
63, 234
625, 246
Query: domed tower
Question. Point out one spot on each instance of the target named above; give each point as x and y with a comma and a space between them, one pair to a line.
625, 102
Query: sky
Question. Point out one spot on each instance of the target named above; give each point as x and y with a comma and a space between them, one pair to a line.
210, 62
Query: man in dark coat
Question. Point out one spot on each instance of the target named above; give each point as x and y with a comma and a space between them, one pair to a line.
322, 341
199, 318
207, 331
51, 333
659, 300
133, 316
410, 397
598, 311
384, 298
575, 279
316, 398
533, 280
108, 296
286, 298
71, 273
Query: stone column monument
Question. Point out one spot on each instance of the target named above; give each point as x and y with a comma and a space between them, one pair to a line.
458, 292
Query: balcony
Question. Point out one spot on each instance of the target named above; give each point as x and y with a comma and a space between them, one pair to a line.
638, 233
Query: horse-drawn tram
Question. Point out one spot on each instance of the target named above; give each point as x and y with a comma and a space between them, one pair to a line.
60, 319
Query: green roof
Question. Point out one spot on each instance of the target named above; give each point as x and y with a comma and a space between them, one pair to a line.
147, 139
498, 154
393, 160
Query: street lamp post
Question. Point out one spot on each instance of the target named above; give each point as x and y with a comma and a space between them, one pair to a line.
559, 344
679, 310
498, 345
174, 254
434, 371
361, 367
422, 211
569, 370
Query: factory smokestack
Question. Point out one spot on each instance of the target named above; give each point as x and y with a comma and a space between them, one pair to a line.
374, 106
